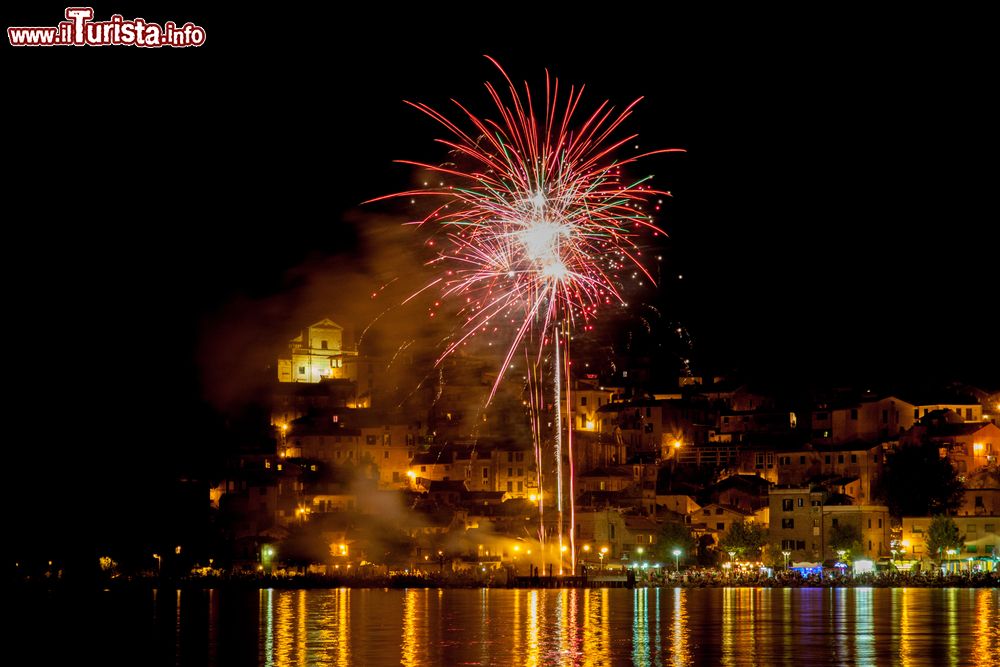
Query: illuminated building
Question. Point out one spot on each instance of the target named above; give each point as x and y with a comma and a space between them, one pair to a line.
317, 354
981, 540
801, 521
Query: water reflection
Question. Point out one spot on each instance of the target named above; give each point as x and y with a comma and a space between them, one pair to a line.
567, 627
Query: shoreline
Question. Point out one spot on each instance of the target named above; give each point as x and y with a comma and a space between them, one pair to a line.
990, 580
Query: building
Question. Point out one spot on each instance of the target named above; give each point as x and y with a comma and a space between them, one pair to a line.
870, 418
871, 522
980, 537
317, 354
802, 521
796, 522
970, 446
858, 458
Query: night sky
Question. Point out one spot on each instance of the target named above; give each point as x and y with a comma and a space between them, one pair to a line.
834, 218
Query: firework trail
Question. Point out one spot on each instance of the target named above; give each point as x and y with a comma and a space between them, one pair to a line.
536, 217
535, 220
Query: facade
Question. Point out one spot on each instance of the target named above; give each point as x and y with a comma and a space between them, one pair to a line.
796, 522
800, 522
870, 419
317, 354
981, 537
863, 460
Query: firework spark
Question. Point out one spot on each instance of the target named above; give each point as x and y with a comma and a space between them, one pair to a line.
537, 217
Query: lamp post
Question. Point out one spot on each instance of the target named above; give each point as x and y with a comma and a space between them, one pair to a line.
786, 554
159, 563
677, 560
604, 550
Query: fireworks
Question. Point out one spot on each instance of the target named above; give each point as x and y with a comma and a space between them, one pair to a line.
537, 219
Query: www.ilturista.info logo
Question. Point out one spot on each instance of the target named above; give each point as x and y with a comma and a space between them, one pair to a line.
79, 29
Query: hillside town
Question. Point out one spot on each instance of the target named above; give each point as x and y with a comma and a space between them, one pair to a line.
709, 472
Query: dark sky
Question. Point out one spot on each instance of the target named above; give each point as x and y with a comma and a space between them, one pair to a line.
834, 217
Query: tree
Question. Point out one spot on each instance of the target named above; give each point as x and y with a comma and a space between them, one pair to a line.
674, 536
845, 537
918, 482
745, 538
943, 535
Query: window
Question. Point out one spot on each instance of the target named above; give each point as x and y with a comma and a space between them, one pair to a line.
725, 420
520, 472
369, 439
787, 505
322, 345
836, 522
611, 528
386, 454
510, 472
802, 460
880, 523
840, 458
302, 370
720, 526
718, 511
800, 545
423, 468
990, 527
583, 400
600, 486
854, 458
787, 545
649, 412
788, 524
395, 476
854, 414
916, 413
802, 501
708, 512
520, 486
510, 456
510, 486
826, 459
968, 414
869, 525
486, 473
979, 501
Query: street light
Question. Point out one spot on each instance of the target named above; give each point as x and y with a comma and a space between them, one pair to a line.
786, 554
677, 561
604, 550
159, 563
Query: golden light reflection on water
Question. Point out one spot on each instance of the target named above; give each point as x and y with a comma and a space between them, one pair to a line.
411, 640
739, 625
679, 652
640, 627
674, 626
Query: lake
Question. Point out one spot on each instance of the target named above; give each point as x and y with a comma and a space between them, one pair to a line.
668, 626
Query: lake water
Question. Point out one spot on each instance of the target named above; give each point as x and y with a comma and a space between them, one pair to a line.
727, 626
